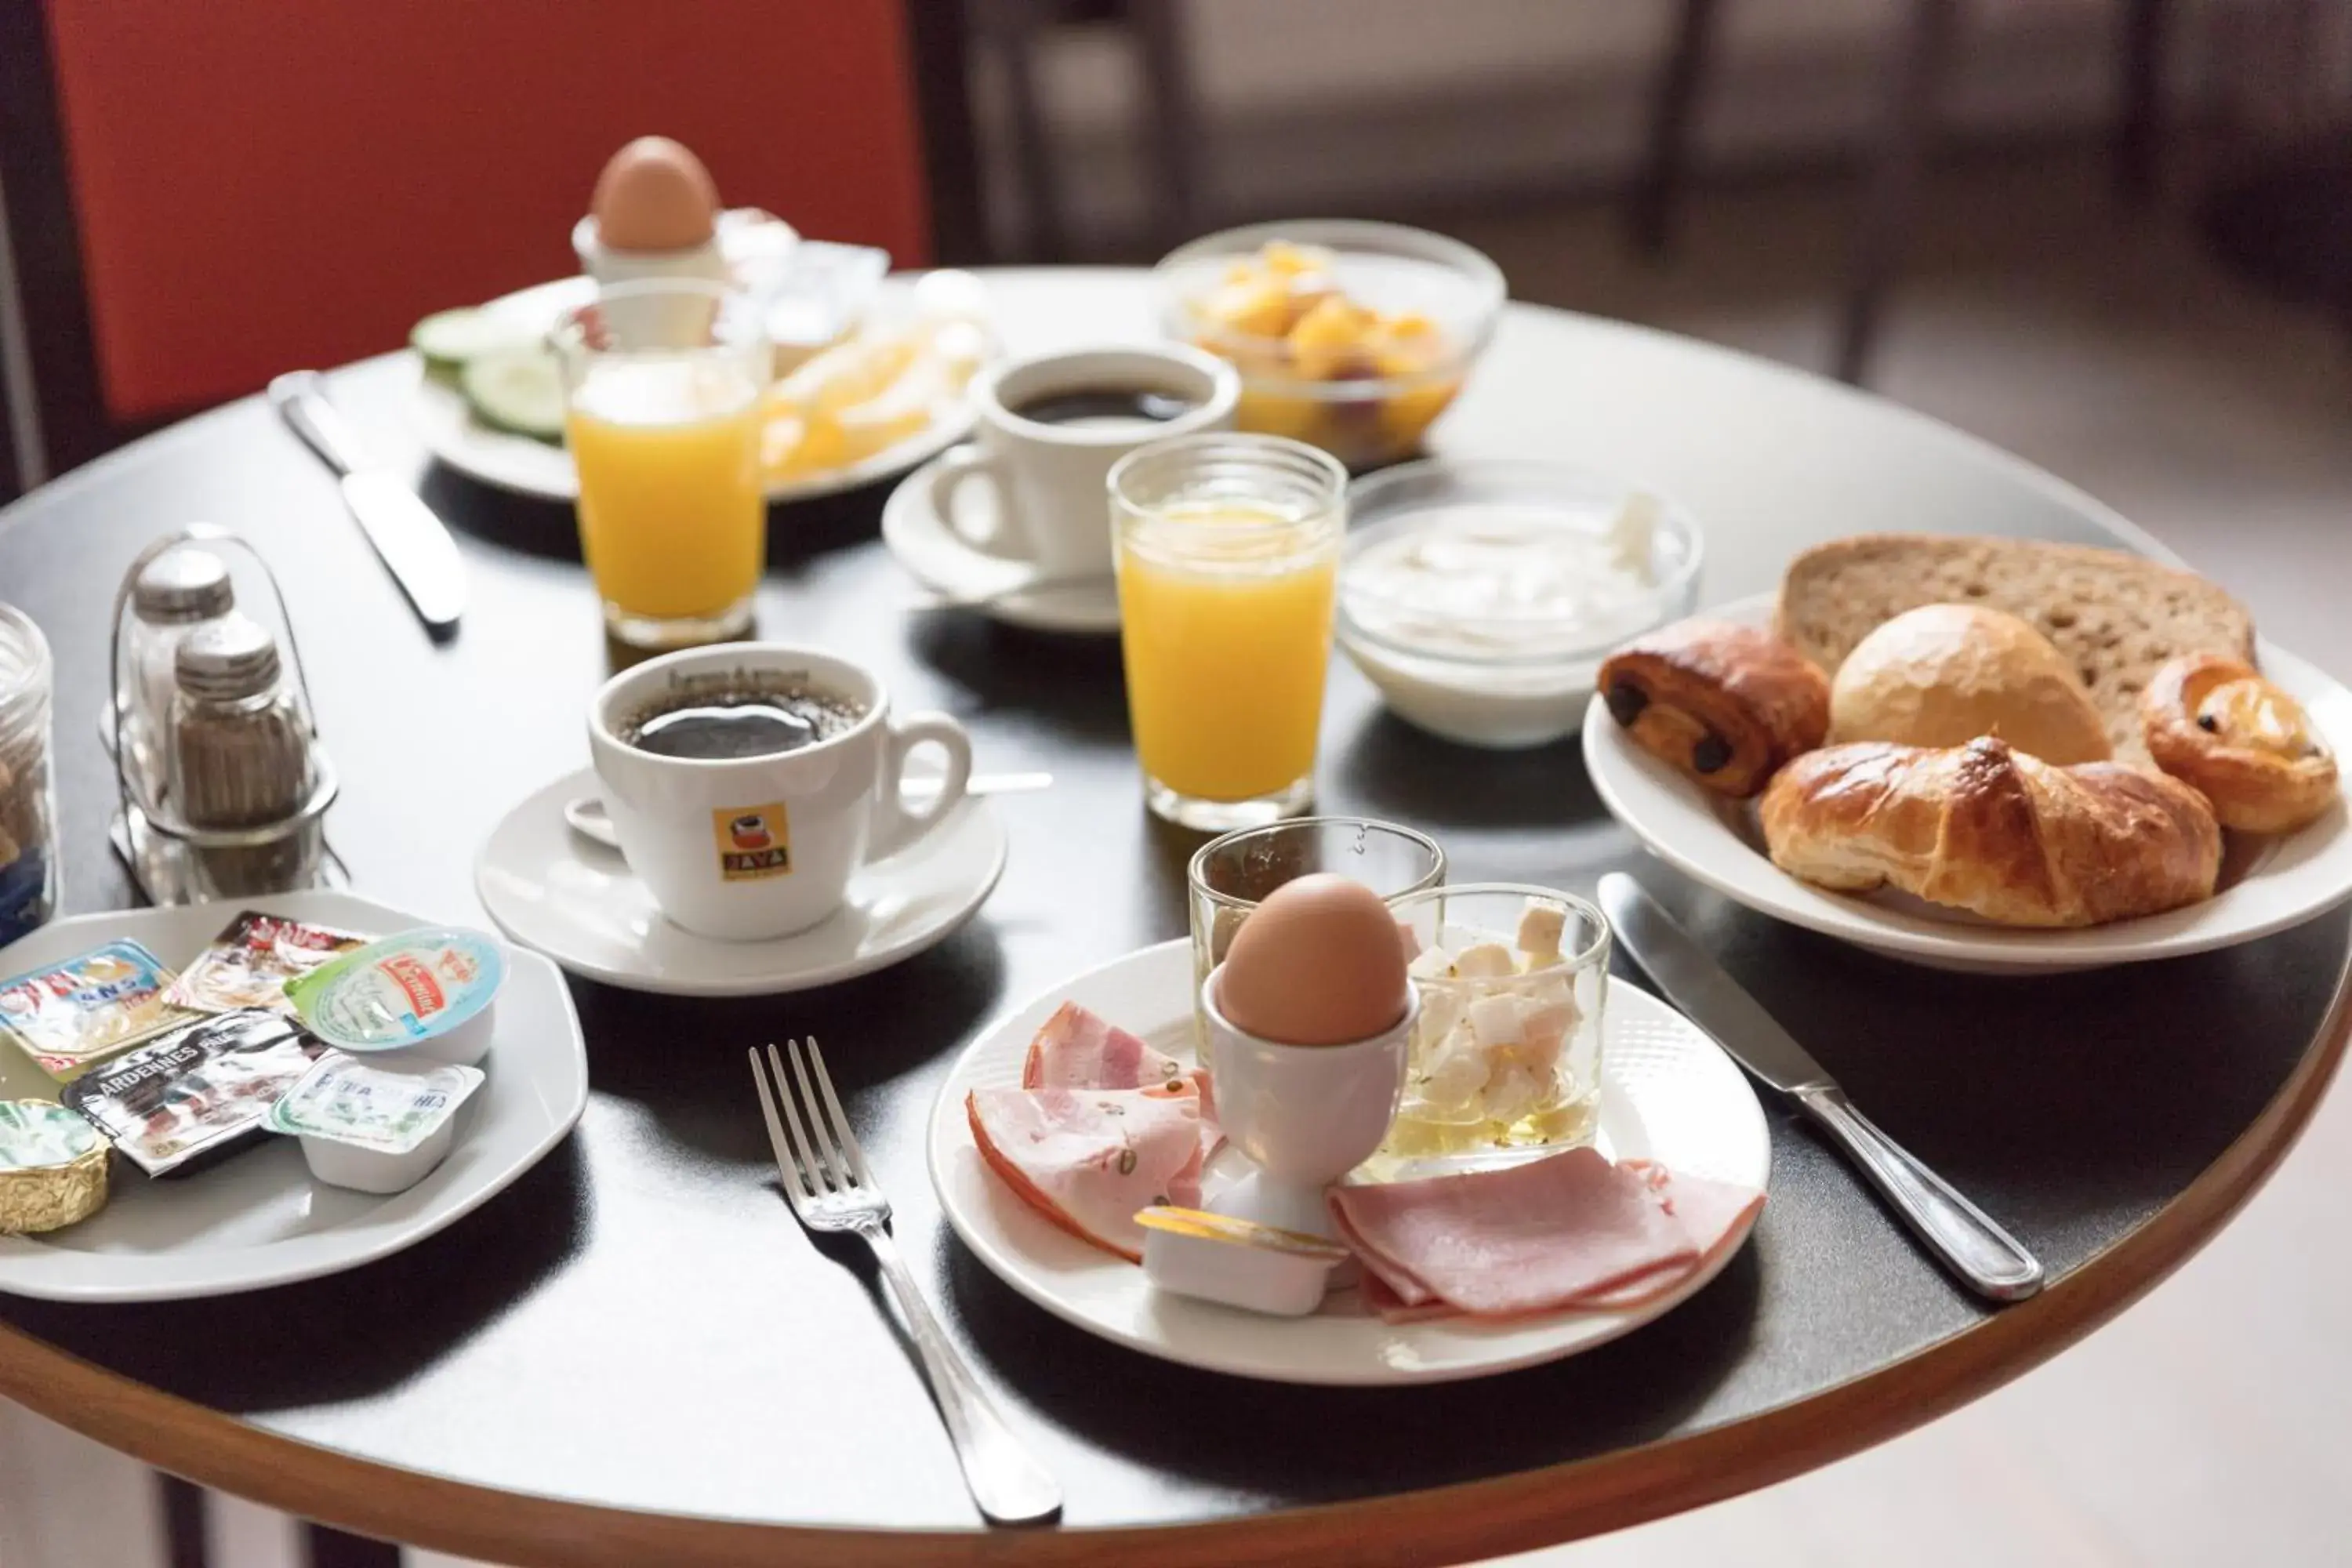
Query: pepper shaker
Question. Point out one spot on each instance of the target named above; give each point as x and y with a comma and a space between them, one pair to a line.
239, 750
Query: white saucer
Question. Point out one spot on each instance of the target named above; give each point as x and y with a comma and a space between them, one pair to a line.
576, 901
1667, 1093
944, 557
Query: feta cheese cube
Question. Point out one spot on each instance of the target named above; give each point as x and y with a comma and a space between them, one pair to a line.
1457, 1074
1485, 961
1513, 1091
1554, 1018
1431, 963
1494, 1020
1442, 1007
1540, 925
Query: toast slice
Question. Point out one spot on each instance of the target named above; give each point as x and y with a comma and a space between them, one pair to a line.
2115, 616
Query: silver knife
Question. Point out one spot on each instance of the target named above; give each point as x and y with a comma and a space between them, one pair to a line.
1986, 1258
414, 544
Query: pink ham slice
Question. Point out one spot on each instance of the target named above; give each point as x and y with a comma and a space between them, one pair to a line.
1077, 1049
1089, 1159
1571, 1231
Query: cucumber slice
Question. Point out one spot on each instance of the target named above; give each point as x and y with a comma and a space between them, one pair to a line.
448, 338
520, 390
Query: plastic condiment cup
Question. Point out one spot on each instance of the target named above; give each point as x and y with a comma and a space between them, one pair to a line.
1237, 1262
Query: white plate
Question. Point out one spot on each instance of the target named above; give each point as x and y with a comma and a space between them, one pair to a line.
443, 420
258, 1218
1668, 1093
576, 901
2267, 883
944, 559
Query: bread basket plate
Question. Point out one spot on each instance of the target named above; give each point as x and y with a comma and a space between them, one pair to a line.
2267, 884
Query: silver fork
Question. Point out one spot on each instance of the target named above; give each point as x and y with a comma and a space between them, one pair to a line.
831, 1189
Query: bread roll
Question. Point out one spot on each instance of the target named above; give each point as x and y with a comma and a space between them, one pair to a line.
2239, 742
2115, 616
1992, 831
1944, 674
1725, 703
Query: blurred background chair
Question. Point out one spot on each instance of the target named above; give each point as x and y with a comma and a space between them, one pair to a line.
204, 196
1914, 78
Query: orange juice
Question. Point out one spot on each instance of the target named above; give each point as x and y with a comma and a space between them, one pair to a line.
672, 519
1225, 614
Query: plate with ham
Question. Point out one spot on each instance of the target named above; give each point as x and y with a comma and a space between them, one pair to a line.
1065, 1118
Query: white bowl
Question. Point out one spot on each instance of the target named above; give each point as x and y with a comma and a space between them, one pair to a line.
1497, 681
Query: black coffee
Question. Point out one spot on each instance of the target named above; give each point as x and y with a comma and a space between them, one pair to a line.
719, 726
1106, 406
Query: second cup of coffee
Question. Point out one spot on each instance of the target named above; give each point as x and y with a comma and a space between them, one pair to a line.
1048, 429
746, 782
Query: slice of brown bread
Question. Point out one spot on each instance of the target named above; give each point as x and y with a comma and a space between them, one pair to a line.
2115, 616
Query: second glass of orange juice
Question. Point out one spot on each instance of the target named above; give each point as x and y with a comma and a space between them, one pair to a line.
663, 382
1227, 550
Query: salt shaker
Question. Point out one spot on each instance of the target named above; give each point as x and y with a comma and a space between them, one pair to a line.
240, 757
174, 595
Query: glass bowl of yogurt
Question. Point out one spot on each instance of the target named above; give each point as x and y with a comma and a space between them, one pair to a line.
1481, 597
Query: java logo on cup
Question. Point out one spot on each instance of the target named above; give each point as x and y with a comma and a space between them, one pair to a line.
754, 841
747, 782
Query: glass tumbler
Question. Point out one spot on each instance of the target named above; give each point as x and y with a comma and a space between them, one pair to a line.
29, 800
664, 384
1502, 1062
1227, 549
1229, 876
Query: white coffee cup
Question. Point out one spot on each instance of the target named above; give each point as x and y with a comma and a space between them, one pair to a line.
753, 847
1052, 481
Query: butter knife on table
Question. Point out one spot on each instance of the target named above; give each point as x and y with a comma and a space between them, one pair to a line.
1986, 1258
414, 544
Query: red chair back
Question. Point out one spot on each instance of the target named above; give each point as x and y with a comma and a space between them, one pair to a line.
262, 184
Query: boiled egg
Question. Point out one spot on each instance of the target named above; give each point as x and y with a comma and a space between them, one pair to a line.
1316, 964
655, 195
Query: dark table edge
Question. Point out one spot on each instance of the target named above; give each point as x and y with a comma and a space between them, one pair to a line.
1448, 1524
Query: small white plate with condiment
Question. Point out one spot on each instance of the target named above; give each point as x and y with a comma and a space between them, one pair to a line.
442, 419
555, 889
2268, 883
1480, 596
259, 1218
1668, 1094
947, 555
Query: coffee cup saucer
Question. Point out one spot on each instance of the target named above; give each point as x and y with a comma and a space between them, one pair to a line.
553, 890
943, 559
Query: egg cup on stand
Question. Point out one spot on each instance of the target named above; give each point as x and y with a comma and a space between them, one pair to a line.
1306, 1115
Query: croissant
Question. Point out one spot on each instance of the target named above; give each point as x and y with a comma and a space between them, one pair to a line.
1727, 704
2239, 740
1993, 831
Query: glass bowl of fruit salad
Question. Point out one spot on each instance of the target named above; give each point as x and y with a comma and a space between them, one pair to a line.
1351, 336
1505, 1056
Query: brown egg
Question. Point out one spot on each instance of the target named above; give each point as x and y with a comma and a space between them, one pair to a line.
655, 196
1318, 963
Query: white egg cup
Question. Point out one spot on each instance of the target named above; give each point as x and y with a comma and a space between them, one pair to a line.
1306, 1115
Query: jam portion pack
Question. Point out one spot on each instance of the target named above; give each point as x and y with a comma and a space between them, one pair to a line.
198, 1093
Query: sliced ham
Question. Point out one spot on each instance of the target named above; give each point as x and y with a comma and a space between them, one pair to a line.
1569, 1232
1089, 1159
1077, 1050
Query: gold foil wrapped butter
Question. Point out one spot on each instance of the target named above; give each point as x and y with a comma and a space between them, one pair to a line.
52, 1167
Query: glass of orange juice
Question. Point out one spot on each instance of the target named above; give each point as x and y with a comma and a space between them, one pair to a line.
663, 380
1227, 549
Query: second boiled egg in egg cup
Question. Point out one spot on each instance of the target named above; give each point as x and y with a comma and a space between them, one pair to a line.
1309, 1025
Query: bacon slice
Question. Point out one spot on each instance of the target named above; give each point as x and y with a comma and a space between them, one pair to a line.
1570, 1231
1077, 1050
1089, 1159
